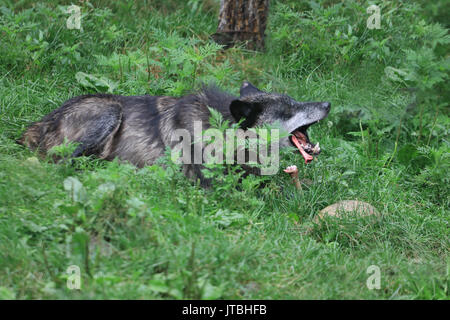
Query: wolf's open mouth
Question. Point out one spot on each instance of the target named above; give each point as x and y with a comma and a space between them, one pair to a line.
300, 139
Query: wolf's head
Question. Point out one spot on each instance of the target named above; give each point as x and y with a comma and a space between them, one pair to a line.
255, 108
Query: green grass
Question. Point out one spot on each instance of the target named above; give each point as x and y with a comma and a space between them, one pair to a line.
152, 234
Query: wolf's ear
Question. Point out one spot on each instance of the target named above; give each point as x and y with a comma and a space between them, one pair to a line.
247, 88
246, 111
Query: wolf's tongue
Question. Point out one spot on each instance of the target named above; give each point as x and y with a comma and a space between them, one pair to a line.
305, 155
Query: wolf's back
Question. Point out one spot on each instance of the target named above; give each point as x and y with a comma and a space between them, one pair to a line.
86, 119
31, 136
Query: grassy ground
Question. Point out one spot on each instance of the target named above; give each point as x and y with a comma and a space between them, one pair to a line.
151, 234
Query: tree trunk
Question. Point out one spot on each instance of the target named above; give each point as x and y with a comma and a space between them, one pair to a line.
242, 21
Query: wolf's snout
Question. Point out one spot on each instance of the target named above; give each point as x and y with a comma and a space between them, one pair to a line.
326, 106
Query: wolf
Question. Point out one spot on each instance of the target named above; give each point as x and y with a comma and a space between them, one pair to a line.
138, 129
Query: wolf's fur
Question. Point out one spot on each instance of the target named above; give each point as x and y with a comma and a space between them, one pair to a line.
138, 128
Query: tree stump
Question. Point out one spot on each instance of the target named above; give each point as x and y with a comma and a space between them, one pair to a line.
242, 21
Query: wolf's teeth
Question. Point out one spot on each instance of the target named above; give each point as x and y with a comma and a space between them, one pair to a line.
316, 148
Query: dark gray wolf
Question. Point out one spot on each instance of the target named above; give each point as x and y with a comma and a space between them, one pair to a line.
138, 129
